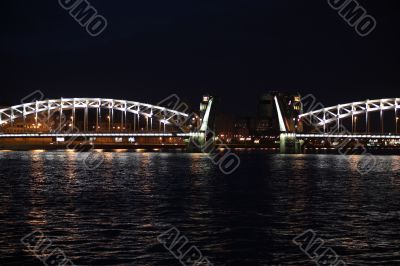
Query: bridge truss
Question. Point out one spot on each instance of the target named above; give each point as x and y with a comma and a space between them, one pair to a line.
335, 114
44, 111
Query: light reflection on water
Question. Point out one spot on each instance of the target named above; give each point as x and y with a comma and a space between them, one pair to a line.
113, 215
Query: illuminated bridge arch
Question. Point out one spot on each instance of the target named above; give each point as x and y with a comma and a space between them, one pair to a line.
46, 107
334, 114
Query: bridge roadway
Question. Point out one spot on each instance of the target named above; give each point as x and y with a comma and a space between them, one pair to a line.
190, 134
353, 136
60, 135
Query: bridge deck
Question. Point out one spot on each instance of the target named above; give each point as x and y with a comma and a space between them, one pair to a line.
359, 136
55, 135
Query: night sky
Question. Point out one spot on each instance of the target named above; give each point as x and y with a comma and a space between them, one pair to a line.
233, 50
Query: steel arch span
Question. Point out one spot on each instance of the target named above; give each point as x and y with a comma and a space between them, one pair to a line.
334, 114
8, 115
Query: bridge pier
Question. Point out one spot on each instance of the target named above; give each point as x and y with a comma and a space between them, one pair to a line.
289, 144
198, 143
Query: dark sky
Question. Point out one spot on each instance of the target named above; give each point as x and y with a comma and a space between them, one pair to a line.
234, 50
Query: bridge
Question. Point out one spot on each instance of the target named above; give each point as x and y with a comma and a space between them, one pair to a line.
336, 114
49, 107
353, 122
123, 122
102, 121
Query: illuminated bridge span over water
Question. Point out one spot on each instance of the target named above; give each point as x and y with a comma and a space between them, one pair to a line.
43, 111
370, 122
356, 111
103, 121
130, 122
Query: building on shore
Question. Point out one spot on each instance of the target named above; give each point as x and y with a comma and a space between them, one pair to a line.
275, 111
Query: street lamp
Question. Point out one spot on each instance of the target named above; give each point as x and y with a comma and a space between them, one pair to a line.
355, 124
397, 123
109, 123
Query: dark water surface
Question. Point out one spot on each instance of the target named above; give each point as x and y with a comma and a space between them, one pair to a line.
113, 215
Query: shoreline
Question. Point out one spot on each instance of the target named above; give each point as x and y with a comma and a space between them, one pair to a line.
178, 148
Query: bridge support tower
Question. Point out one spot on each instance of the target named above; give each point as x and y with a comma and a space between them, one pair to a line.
203, 141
